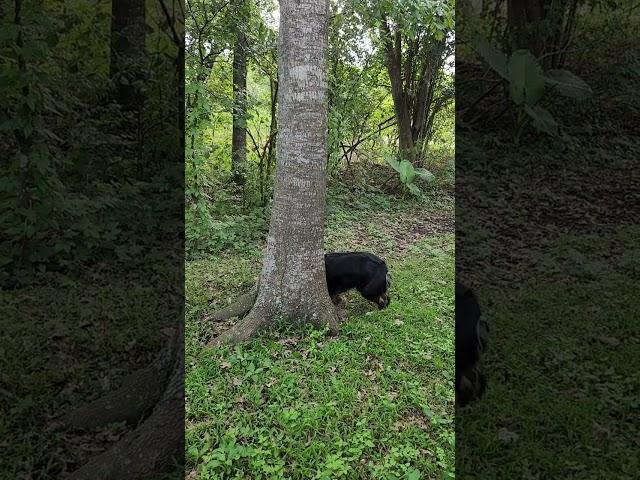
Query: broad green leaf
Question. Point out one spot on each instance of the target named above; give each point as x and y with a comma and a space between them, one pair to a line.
393, 162
494, 57
425, 174
407, 172
542, 119
566, 83
526, 79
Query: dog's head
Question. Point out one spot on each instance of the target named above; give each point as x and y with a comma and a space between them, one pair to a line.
384, 300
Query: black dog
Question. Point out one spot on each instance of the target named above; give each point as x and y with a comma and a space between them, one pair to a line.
471, 342
360, 270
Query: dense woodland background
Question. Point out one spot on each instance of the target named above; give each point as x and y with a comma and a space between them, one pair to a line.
92, 224
376, 401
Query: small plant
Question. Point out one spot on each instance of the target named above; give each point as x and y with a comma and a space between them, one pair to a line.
408, 174
527, 85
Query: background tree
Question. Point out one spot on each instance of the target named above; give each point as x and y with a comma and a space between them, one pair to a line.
292, 284
239, 108
88, 204
544, 27
414, 37
128, 30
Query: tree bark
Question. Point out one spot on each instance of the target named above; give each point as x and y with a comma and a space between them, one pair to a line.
393, 58
239, 133
293, 282
128, 29
524, 18
156, 446
543, 27
427, 81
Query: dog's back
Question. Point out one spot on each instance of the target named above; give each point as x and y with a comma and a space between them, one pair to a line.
363, 271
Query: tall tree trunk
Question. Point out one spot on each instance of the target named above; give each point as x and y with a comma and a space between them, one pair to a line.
433, 62
239, 133
273, 128
393, 58
544, 27
128, 25
293, 284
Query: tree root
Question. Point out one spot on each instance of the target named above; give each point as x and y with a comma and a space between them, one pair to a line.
139, 393
156, 446
238, 309
261, 317
243, 330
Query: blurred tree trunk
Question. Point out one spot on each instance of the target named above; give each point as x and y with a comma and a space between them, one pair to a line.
239, 133
544, 27
128, 28
293, 283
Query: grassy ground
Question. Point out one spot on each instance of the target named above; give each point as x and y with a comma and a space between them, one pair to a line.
374, 402
563, 369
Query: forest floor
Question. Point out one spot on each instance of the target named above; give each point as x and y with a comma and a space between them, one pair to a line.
374, 402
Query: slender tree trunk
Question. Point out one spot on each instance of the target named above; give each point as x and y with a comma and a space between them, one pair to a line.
393, 58
128, 25
239, 133
293, 284
427, 84
273, 127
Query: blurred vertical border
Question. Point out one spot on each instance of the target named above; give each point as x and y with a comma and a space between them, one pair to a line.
91, 239
547, 198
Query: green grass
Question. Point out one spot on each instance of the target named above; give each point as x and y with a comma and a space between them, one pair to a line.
556, 267
375, 402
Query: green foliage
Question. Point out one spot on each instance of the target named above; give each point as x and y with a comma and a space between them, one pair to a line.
408, 174
526, 81
211, 231
527, 84
413, 17
361, 128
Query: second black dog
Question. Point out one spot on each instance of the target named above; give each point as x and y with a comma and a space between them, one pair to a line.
360, 270
471, 342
